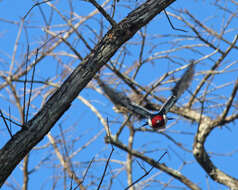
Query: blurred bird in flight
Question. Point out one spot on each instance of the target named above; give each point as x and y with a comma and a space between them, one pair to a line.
156, 120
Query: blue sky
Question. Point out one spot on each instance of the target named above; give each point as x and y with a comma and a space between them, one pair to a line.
80, 122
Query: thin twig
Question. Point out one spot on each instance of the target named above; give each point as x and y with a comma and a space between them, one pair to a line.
36, 4
32, 78
4, 119
146, 173
88, 169
90, 163
101, 10
172, 24
24, 88
106, 166
113, 8
229, 102
12, 121
105, 169
9, 111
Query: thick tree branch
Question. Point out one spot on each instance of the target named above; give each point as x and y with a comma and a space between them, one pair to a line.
19, 72
23, 141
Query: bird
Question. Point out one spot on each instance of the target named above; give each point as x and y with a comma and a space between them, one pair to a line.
156, 120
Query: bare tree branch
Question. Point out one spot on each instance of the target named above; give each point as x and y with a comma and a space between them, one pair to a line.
154, 163
65, 162
146, 173
112, 22
229, 102
22, 142
217, 64
204, 129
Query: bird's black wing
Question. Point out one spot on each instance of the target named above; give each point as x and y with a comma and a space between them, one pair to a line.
140, 110
179, 89
184, 81
168, 104
121, 99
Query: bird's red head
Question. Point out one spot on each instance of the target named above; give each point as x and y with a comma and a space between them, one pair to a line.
157, 121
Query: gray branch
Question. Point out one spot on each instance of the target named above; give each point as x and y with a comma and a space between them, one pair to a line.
24, 140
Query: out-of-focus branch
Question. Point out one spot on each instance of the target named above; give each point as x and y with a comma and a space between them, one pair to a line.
203, 158
104, 123
209, 30
65, 162
204, 129
229, 103
143, 37
15, 47
209, 44
214, 67
44, 53
153, 162
130, 157
25, 172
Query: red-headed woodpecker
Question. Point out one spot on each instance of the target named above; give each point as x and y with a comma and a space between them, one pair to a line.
155, 120
158, 120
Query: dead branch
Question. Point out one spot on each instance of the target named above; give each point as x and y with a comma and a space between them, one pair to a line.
23, 141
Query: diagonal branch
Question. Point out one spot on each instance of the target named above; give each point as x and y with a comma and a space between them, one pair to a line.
229, 103
214, 67
19, 73
104, 13
24, 140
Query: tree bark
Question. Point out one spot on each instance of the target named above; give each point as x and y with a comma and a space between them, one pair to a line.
24, 140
